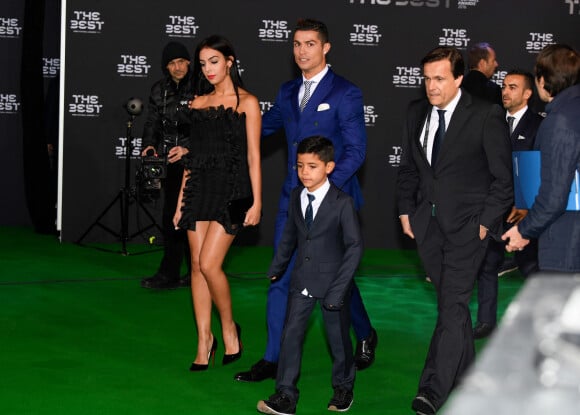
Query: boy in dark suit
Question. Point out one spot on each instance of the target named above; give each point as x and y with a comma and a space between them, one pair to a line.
323, 227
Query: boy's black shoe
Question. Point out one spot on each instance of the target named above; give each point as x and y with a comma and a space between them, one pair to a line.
341, 400
277, 404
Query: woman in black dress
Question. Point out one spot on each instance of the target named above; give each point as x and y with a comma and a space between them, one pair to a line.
223, 166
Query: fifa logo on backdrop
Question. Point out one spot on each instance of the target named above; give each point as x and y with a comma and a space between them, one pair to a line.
181, 26
50, 67
370, 115
412, 3
407, 77
265, 106
121, 148
454, 37
9, 104
9, 27
274, 31
571, 4
84, 106
539, 41
86, 22
394, 158
365, 35
133, 65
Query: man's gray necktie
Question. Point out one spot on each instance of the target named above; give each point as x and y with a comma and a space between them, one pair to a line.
511, 123
308, 214
306, 96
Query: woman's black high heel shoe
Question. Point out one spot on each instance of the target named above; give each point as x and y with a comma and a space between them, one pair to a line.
230, 358
196, 367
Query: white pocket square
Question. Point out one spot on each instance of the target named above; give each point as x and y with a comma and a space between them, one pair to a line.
521, 137
323, 107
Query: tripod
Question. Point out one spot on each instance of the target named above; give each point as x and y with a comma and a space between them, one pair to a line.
126, 195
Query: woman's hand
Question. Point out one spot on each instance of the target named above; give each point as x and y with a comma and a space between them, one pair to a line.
253, 215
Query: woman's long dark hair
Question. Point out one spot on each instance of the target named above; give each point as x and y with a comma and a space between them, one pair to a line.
201, 85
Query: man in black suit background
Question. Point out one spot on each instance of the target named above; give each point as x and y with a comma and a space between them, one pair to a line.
454, 186
482, 62
523, 123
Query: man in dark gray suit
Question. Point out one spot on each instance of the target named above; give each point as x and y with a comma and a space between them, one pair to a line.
523, 124
454, 186
323, 227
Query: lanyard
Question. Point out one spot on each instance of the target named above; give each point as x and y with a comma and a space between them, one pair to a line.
426, 139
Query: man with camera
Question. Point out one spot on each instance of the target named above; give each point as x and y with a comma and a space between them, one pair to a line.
163, 138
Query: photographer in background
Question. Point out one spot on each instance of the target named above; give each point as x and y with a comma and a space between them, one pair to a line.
163, 138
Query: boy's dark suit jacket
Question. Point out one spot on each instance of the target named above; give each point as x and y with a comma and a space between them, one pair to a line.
328, 254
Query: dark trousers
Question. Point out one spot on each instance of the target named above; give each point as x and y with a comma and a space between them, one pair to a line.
176, 247
452, 269
487, 286
337, 325
278, 299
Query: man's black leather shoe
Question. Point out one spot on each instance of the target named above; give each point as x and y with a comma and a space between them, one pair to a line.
364, 355
260, 371
159, 282
482, 330
423, 404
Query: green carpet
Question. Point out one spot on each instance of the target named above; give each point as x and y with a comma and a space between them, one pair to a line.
80, 336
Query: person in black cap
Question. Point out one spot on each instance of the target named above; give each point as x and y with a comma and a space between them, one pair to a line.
163, 137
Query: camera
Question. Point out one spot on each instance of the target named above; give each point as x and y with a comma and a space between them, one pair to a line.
149, 175
153, 167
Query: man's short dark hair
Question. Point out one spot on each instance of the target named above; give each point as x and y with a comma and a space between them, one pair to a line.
528, 77
559, 65
319, 145
451, 54
477, 52
315, 25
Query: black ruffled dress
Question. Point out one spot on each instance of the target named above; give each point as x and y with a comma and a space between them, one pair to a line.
218, 167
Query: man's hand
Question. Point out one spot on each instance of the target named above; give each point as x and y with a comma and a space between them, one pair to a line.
176, 153
516, 241
406, 225
146, 149
516, 215
482, 232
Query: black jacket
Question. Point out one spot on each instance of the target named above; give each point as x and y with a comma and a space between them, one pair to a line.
166, 100
477, 84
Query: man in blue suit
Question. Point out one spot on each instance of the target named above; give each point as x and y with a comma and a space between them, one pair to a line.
318, 103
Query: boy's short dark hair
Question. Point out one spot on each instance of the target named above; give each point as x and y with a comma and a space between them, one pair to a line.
319, 145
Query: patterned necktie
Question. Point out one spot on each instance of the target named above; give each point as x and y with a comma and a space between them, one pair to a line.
308, 214
306, 96
439, 135
511, 123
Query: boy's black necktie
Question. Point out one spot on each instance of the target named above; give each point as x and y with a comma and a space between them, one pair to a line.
308, 214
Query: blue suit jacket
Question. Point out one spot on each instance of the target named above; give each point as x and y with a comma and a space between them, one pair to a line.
334, 111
